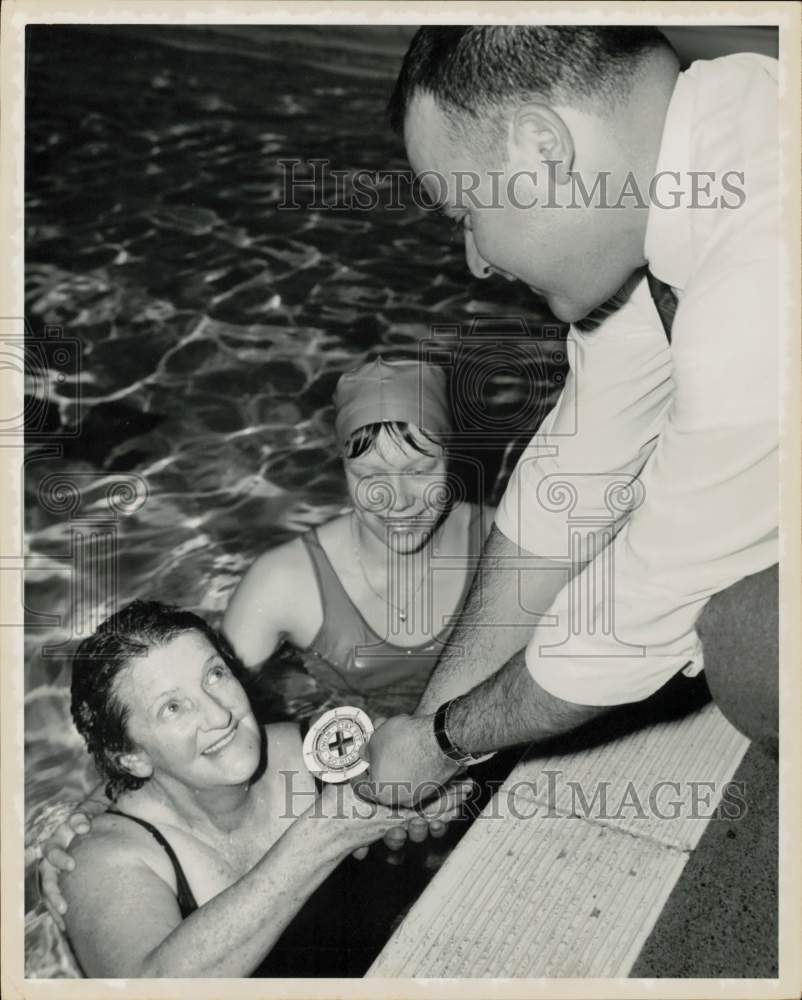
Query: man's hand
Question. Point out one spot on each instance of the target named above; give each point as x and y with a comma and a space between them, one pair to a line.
406, 764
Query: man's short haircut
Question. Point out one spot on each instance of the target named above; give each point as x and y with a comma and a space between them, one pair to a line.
471, 70
99, 714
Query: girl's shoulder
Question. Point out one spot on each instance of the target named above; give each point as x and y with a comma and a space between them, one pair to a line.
288, 566
335, 532
289, 559
272, 599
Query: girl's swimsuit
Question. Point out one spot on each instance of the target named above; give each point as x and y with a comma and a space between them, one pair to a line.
348, 656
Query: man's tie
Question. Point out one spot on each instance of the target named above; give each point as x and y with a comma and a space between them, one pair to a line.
665, 300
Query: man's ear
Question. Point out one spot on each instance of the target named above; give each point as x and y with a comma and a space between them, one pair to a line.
539, 135
137, 763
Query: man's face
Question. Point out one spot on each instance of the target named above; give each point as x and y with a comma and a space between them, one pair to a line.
575, 258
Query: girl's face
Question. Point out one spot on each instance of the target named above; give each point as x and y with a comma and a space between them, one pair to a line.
189, 717
399, 493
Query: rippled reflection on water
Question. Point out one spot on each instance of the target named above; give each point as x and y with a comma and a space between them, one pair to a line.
212, 325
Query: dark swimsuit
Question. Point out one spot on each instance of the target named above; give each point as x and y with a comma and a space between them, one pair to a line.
186, 898
315, 943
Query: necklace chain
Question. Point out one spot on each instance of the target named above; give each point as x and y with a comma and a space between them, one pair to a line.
401, 612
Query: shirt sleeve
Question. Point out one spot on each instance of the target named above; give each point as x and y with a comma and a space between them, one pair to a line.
709, 506
601, 431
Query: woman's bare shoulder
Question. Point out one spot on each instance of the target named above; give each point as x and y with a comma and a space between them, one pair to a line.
113, 843
286, 775
121, 897
284, 737
112, 832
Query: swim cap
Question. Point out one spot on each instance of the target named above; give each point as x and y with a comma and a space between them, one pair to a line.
407, 391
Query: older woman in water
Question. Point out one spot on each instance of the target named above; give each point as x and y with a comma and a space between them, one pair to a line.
216, 836
362, 594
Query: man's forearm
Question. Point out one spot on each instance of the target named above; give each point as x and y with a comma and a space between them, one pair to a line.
509, 708
508, 598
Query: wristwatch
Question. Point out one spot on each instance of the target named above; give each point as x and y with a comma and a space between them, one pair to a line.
447, 745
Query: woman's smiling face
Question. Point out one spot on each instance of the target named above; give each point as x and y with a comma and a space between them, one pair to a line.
399, 492
188, 715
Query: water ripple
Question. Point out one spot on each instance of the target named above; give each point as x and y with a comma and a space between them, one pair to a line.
212, 325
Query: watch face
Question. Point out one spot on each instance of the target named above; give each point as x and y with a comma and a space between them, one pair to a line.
332, 745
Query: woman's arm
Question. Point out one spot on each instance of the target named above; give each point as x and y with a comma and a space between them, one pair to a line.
123, 918
277, 597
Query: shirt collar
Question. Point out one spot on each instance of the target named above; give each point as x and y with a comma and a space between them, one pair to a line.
668, 237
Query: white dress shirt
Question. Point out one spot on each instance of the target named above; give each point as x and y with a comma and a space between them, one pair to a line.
692, 426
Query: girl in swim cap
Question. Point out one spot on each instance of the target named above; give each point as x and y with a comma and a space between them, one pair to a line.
367, 596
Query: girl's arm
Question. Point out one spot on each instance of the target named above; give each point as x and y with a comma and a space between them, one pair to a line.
277, 597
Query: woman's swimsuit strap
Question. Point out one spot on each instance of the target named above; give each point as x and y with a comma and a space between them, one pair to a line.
186, 899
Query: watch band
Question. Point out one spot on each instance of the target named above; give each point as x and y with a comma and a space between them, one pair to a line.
446, 743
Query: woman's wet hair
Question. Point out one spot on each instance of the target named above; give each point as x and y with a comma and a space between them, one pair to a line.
402, 434
99, 714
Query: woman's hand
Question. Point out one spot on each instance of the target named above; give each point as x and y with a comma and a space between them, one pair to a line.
56, 859
431, 819
353, 823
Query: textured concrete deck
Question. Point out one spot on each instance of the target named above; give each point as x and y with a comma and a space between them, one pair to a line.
548, 884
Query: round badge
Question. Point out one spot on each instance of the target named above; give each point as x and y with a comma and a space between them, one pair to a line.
332, 745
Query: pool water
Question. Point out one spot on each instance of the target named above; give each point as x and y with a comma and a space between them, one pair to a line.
211, 327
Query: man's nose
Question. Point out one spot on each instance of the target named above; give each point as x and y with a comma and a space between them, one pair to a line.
477, 265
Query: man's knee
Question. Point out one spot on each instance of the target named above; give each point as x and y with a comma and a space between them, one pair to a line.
739, 630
